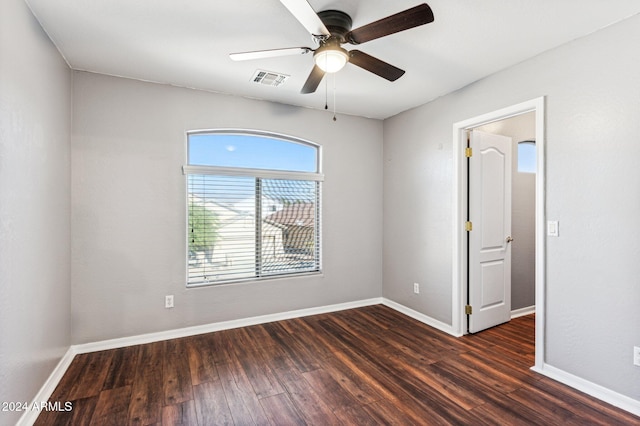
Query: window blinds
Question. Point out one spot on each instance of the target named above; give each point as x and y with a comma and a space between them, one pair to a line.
249, 227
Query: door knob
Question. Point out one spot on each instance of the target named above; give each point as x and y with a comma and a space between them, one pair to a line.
509, 239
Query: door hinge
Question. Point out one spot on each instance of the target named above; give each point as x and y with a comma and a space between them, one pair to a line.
468, 226
468, 152
468, 310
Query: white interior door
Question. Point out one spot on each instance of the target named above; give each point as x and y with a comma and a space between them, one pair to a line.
490, 235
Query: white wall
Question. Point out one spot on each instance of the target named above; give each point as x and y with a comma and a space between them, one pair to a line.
523, 211
35, 115
592, 90
128, 234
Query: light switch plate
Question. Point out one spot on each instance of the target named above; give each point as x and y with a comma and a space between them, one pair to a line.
553, 228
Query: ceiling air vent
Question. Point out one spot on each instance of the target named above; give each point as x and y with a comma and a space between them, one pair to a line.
269, 78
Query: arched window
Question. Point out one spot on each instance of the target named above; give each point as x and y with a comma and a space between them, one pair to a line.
527, 156
253, 202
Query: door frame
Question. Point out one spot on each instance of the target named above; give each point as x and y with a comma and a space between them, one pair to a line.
460, 191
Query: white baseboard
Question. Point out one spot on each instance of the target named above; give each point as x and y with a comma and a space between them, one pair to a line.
523, 311
218, 326
420, 317
31, 415
604, 394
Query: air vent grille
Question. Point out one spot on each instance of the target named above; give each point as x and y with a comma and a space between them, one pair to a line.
269, 78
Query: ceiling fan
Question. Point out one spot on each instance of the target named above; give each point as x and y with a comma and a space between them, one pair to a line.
331, 29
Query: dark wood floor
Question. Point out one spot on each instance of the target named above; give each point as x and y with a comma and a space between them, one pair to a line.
364, 366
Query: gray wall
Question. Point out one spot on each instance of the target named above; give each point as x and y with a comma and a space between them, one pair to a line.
128, 235
592, 90
523, 211
35, 115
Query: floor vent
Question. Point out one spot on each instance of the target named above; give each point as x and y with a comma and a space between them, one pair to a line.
269, 78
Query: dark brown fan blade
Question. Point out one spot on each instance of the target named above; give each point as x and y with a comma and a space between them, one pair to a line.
313, 80
410, 18
375, 65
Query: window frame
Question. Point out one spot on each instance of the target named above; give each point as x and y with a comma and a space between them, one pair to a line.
258, 174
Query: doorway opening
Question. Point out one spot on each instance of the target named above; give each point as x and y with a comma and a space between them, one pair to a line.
461, 205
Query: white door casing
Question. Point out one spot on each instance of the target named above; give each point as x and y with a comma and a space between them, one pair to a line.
459, 271
489, 240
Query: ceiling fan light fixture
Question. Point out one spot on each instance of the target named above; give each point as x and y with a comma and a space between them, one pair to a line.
331, 59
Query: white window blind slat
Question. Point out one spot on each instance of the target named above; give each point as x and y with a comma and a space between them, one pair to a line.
261, 173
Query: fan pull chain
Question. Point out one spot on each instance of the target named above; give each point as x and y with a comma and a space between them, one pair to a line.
334, 97
326, 94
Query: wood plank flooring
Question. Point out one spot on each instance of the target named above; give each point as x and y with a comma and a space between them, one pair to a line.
365, 366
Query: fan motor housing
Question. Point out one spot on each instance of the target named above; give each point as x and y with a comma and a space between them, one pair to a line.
337, 22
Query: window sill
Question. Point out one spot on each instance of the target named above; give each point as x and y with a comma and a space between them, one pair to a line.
259, 280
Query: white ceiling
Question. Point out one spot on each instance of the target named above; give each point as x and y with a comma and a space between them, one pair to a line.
186, 43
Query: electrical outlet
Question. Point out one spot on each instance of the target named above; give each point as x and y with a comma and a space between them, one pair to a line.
416, 288
636, 355
168, 301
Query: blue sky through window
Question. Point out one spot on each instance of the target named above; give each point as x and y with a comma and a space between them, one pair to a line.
527, 157
251, 151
